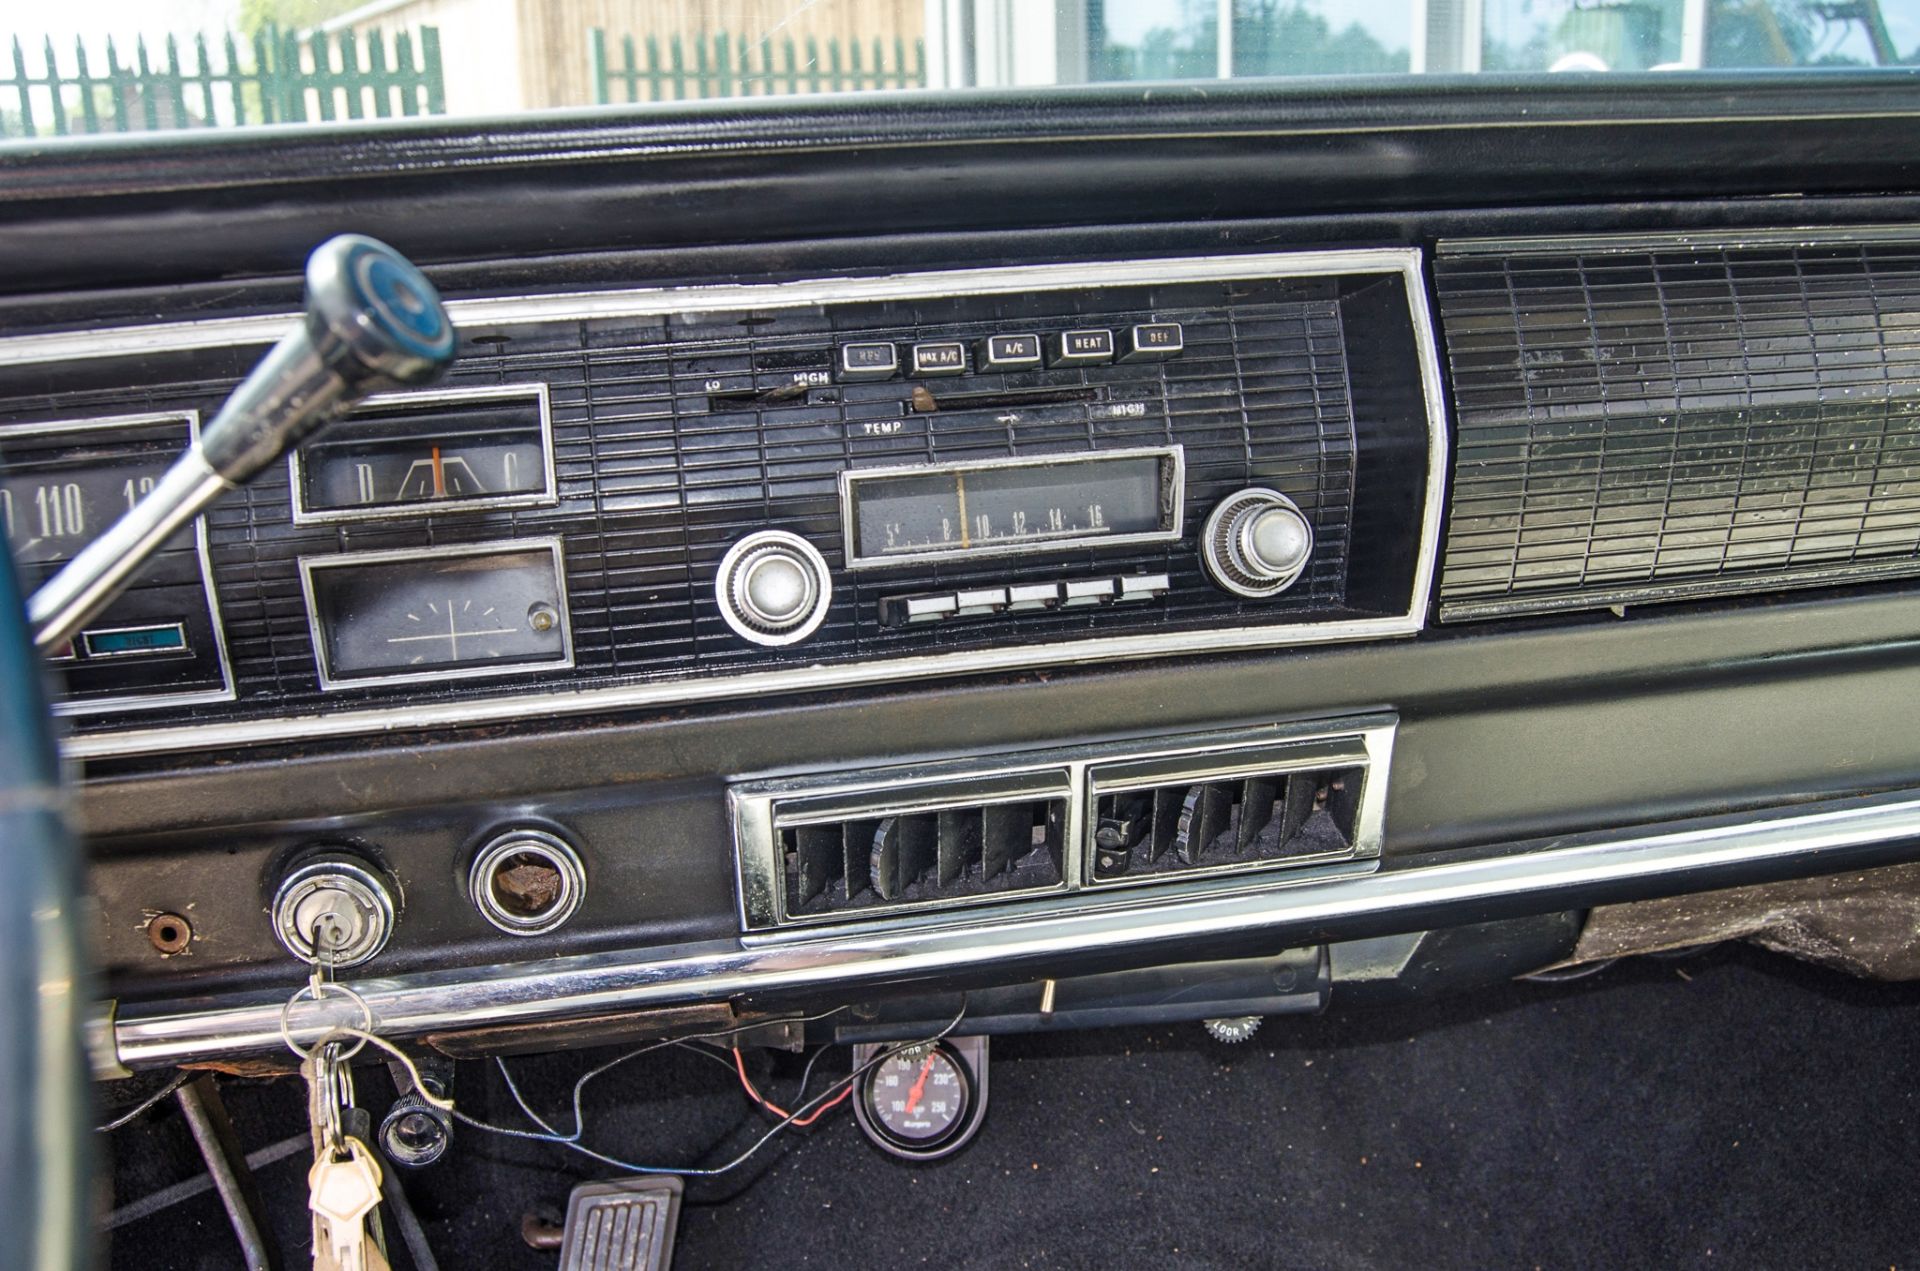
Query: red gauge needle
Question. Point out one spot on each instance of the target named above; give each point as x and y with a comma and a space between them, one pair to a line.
920, 1086
439, 476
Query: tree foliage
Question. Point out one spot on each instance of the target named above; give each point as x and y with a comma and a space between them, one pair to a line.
291, 15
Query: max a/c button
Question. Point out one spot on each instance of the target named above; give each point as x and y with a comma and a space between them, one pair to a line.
943, 357
875, 361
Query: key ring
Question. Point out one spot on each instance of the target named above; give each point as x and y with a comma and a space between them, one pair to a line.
318, 989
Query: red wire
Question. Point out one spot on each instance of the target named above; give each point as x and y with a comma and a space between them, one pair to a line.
740, 1066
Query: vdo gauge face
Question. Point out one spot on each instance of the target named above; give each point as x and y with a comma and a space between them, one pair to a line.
413, 453
1010, 507
918, 1102
442, 613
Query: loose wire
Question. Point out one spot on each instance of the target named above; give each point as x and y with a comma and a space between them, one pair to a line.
740, 1066
180, 1079
832, 1093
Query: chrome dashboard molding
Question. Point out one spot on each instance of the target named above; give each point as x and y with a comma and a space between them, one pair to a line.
1642, 240
149, 701
849, 478
1404, 262
1549, 876
547, 496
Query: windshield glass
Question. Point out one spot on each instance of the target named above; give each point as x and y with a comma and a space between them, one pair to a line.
107, 66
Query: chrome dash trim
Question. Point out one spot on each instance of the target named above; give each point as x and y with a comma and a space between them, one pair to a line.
584, 306
149, 701
1644, 240
1557, 874
1405, 262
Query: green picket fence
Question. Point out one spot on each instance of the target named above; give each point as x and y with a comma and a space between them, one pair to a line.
275, 77
681, 69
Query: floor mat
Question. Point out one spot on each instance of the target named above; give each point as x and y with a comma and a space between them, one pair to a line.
1731, 1109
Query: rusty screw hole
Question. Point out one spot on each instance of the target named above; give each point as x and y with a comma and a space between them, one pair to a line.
169, 933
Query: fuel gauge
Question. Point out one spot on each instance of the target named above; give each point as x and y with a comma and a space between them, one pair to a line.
408, 454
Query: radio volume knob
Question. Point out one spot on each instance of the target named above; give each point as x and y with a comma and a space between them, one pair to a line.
773, 588
1256, 543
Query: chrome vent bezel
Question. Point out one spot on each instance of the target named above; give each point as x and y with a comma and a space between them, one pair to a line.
763, 808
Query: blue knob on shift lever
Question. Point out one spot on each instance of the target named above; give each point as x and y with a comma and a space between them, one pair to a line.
373, 322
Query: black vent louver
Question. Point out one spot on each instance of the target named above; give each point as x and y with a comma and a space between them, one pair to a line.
1184, 826
913, 858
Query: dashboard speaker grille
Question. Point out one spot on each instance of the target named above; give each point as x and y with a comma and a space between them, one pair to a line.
1671, 422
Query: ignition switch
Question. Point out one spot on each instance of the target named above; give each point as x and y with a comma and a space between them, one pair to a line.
336, 908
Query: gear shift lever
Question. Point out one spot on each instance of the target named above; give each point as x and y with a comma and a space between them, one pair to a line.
373, 322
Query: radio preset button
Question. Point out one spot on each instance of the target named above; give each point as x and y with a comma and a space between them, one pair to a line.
980, 600
1144, 586
1089, 591
879, 360
1010, 352
1033, 595
940, 357
1082, 348
1152, 340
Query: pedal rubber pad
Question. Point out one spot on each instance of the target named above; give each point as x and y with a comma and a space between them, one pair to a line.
624, 1225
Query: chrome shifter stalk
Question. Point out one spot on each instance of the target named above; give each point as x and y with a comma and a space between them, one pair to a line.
373, 322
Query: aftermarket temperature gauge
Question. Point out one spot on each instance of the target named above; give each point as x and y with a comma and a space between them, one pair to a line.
923, 1102
446, 450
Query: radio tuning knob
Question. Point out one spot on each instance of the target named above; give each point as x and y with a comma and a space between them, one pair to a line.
1256, 543
773, 588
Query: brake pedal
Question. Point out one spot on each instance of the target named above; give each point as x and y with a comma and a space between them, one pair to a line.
624, 1225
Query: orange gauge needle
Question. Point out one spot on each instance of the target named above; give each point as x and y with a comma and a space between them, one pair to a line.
439, 476
920, 1086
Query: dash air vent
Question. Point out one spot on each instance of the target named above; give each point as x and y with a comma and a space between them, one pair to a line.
913, 859
1145, 826
1060, 827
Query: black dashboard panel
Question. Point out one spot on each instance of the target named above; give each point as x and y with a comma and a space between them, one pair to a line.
680, 425
1514, 732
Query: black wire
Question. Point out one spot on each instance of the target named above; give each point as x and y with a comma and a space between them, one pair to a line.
179, 1079
1567, 975
572, 1142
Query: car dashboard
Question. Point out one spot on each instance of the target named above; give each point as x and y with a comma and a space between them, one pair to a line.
861, 556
